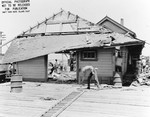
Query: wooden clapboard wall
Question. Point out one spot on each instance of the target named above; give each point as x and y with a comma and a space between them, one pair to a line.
113, 27
105, 64
34, 69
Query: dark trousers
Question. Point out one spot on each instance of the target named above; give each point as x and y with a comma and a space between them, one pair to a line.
89, 80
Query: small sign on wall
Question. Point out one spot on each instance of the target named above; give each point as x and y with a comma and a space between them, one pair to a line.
15, 6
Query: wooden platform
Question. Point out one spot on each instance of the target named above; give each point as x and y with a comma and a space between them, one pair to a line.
126, 102
33, 101
38, 98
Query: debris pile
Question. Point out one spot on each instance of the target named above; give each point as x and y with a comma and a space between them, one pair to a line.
142, 79
63, 77
47, 98
142, 74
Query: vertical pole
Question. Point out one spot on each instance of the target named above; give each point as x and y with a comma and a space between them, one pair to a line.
46, 66
17, 68
77, 67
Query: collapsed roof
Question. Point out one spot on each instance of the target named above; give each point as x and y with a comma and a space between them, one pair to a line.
27, 48
63, 31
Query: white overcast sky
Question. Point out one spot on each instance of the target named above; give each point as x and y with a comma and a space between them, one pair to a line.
135, 13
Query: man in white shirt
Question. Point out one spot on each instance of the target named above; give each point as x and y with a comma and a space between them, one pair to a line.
89, 72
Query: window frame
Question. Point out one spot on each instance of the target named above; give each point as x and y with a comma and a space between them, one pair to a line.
89, 58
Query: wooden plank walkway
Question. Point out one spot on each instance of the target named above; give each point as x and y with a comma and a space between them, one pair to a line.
126, 102
62, 105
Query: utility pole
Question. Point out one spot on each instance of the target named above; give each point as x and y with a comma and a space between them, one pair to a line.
2, 38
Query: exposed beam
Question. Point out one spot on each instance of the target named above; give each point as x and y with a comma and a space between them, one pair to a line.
61, 22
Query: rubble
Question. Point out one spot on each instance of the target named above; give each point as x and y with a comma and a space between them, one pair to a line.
141, 79
63, 77
48, 98
142, 74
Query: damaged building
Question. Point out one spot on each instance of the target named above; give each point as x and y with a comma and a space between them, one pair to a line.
107, 45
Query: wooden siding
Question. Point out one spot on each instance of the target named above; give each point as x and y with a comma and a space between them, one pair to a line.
33, 69
105, 65
113, 27
77, 64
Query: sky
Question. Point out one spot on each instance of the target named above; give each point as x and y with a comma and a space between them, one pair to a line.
134, 12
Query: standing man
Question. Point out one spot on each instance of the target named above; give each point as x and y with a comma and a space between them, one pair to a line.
56, 65
143, 65
50, 68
